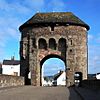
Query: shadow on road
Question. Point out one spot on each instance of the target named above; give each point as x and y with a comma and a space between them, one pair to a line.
73, 95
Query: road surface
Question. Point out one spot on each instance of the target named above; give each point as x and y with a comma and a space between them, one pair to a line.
39, 93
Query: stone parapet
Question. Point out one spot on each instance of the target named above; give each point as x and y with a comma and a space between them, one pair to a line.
8, 80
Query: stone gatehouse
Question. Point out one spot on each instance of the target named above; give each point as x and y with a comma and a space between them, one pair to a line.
56, 34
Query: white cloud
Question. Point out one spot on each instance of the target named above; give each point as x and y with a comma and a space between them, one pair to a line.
8, 27
52, 66
14, 7
28, 6
11, 16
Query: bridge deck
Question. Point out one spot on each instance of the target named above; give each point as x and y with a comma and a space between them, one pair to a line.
38, 93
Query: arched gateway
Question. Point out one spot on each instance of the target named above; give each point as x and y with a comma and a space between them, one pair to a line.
59, 34
48, 57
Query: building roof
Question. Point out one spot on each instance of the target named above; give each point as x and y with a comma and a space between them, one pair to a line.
48, 78
56, 76
11, 62
54, 18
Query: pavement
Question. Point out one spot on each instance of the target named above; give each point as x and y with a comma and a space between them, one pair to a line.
88, 94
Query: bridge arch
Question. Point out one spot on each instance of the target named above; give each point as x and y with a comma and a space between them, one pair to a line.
50, 56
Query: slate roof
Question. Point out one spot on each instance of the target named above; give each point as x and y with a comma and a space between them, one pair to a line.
11, 62
54, 17
57, 75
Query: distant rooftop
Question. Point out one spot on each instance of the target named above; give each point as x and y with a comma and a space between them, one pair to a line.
57, 75
11, 62
54, 18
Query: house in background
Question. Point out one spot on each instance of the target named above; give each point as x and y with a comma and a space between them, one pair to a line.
98, 76
11, 67
91, 77
60, 78
47, 81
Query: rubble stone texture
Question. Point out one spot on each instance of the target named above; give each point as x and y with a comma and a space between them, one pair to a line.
57, 34
9, 80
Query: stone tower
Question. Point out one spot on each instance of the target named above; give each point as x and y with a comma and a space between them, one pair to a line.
56, 34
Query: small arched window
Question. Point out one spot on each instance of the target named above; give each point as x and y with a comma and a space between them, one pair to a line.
42, 43
52, 44
62, 44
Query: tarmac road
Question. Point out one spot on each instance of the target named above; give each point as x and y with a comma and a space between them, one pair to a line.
38, 93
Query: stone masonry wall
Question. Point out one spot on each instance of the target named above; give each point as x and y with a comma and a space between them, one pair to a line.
8, 80
76, 49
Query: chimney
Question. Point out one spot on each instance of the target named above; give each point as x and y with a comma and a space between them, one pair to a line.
12, 58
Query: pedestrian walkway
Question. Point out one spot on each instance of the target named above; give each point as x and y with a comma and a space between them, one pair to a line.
88, 94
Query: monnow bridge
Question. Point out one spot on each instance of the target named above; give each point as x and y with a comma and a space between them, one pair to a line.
57, 34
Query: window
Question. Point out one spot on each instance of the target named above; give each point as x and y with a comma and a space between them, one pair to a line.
52, 28
71, 43
42, 44
52, 44
15, 73
62, 44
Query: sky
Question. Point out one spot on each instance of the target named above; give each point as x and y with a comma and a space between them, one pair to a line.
57, 65
14, 13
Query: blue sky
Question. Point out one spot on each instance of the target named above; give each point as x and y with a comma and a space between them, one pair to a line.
52, 69
13, 13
